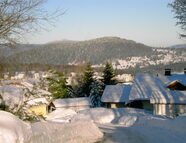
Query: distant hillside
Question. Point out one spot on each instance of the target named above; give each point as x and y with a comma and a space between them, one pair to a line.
178, 46
124, 54
95, 51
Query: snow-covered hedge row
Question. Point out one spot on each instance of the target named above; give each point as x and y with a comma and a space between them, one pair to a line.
13, 130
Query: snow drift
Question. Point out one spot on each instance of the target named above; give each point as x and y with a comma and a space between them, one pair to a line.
61, 115
105, 116
49, 132
13, 130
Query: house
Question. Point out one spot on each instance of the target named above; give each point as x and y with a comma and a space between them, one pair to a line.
38, 106
141, 91
176, 85
73, 103
115, 96
161, 94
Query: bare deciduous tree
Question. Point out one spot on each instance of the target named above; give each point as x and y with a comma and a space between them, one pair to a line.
179, 9
18, 17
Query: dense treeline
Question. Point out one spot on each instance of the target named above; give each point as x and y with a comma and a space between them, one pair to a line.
13, 67
88, 85
66, 69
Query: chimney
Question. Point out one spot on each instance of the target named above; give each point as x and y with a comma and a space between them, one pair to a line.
167, 72
184, 70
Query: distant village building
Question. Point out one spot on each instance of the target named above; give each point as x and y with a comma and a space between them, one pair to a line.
124, 78
73, 103
6, 75
72, 79
36, 75
26, 75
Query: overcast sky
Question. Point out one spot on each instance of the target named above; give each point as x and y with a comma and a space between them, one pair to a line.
146, 21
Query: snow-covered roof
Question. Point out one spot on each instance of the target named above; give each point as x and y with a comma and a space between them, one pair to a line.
38, 101
142, 87
61, 115
116, 93
72, 102
154, 88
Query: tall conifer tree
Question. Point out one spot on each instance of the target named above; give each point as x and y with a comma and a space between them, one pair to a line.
108, 75
57, 86
86, 82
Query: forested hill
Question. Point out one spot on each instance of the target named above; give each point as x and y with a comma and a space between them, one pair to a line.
124, 54
95, 51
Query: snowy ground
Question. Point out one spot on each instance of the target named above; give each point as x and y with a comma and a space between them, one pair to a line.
87, 126
50, 132
152, 131
134, 125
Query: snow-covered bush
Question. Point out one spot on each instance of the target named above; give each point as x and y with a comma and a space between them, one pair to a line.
21, 107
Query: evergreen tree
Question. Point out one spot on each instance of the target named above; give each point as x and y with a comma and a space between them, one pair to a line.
96, 93
86, 82
108, 75
57, 86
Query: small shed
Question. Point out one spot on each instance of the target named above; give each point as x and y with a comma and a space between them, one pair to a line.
115, 96
38, 106
73, 103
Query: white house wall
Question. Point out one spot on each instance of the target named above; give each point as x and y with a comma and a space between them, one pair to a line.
170, 110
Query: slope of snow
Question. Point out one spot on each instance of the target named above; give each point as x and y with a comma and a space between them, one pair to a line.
128, 120
82, 132
13, 130
147, 129
38, 101
156, 130
130, 125
61, 115
71, 102
105, 116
